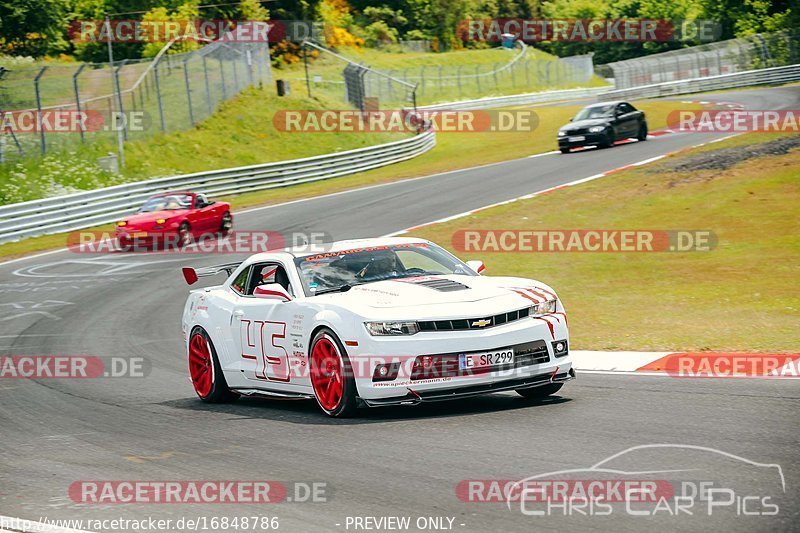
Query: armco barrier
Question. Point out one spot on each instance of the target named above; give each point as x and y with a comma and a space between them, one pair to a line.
102, 206
766, 76
519, 99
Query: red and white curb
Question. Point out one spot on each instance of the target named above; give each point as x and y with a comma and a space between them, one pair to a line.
689, 364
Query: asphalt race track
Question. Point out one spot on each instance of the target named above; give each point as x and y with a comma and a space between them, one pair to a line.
387, 462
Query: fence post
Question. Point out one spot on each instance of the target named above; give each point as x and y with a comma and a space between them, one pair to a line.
458, 78
478, 78
208, 86
78, 97
39, 108
158, 95
188, 88
235, 78
222, 79
494, 74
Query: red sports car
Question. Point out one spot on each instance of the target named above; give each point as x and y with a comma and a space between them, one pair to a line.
174, 219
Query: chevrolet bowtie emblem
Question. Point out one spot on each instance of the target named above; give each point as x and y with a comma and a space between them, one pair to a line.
481, 323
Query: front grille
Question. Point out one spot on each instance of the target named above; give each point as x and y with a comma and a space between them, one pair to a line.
447, 365
463, 324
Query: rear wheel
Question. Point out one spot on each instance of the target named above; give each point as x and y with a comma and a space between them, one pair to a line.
205, 370
540, 392
332, 375
227, 223
642, 136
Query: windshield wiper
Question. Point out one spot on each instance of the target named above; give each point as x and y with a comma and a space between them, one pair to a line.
343, 288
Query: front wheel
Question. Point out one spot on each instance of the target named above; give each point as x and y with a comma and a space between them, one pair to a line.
608, 140
184, 235
540, 392
564, 150
205, 370
332, 375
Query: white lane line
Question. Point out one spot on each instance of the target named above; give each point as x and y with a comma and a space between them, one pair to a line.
550, 189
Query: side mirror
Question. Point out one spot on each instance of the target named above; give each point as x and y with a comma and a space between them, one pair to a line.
477, 266
272, 291
571, 119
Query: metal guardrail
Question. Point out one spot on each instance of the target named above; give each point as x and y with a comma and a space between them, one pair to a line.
519, 99
765, 76
102, 206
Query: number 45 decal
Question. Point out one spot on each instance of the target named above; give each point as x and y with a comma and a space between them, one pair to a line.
258, 343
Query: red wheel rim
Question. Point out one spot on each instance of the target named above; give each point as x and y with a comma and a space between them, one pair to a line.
201, 367
326, 374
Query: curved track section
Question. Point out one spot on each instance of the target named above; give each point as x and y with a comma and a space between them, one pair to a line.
388, 462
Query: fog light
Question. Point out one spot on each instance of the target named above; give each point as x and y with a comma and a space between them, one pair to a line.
386, 372
560, 348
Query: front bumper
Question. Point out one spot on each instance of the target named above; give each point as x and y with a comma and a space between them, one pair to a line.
532, 367
415, 397
589, 139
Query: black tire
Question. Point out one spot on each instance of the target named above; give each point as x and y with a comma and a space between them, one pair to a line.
184, 234
227, 223
642, 136
564, 150
540, 392
608, 140
219, 393
347, 405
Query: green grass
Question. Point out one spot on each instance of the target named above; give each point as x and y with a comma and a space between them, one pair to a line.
240, 133
741, 296
453, 151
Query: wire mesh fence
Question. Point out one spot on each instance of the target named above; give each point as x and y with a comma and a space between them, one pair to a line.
724, 57
138, 98
525, 71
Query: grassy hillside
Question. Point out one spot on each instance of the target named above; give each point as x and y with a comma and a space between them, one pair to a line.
742, 295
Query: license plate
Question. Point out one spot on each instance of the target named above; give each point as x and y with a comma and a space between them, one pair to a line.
576, 138
474, 361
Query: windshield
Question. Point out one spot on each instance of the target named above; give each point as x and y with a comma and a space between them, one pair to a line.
166, 203
335, 270
597, 111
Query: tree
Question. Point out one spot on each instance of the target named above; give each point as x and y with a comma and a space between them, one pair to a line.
33, 27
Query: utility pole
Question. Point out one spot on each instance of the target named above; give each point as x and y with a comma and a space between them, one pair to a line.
115, 81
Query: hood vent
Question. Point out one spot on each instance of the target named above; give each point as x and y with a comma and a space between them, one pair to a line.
444, 285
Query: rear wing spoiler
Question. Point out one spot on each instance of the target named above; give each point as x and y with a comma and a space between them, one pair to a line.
191, 275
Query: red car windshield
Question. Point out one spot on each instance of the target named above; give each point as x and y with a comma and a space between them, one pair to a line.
166, 203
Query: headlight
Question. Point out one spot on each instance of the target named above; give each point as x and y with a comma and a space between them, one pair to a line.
160, 220
392, 328
122, 223
596, 129
561, 133
544, 308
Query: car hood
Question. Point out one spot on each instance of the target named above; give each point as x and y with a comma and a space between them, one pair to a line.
439, 297
143, 218
588, 123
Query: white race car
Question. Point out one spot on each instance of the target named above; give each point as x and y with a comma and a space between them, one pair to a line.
372, 322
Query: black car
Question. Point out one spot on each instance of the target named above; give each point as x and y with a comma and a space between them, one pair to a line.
602, 125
